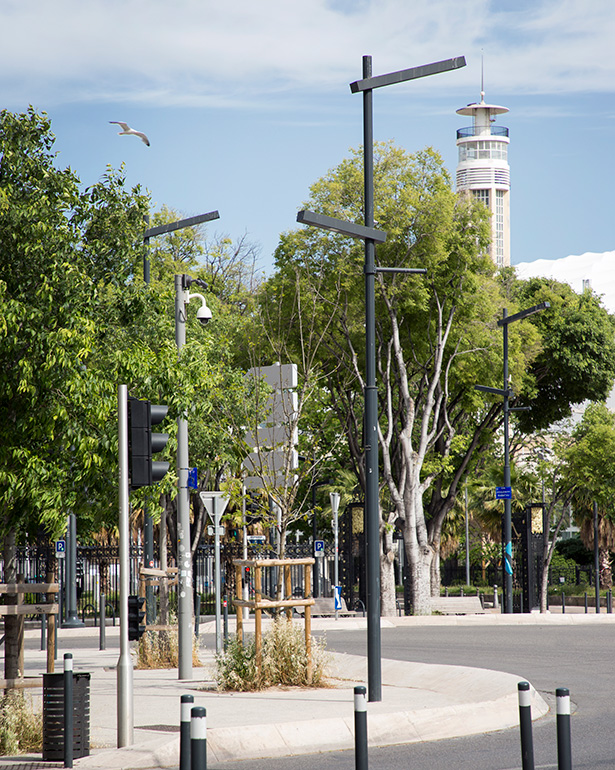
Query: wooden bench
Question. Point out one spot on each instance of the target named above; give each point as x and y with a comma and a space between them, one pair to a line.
324, 607
457, 605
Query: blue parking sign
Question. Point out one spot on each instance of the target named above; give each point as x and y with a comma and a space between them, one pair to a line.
60, 549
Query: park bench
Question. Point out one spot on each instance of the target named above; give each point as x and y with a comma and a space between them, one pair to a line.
457, 605
324, 607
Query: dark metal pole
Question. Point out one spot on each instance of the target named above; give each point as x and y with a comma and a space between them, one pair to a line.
186, 702
360, 729
72, 618
372, 509
596, 559
525, 726
564, 748
198, 738
68, 710
507, 560
315, 592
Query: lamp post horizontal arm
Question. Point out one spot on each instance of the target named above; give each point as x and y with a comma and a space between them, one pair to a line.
497, 391
524, 313
180, 224
340, 226
410, 74
407, 270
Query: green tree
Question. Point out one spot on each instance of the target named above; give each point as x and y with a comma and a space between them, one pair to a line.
590, 467
437, 337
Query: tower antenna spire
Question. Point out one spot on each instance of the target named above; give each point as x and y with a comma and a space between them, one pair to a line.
482, 75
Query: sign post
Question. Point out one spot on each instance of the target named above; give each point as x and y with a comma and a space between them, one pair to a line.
215, 504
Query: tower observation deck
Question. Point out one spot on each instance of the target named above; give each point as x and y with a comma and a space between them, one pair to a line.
483, 171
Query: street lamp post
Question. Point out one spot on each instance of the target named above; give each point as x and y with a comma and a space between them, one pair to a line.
507, 393
183, 510
372, 515
184, 556
371, 236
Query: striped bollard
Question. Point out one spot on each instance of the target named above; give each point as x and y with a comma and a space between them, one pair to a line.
360, 728
198, 738
187, 702
564, 748
68, 709
525, 726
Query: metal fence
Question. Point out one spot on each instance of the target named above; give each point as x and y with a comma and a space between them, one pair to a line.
98, 570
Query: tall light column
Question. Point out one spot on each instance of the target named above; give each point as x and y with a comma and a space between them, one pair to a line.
506, 392
184, 558
372, 510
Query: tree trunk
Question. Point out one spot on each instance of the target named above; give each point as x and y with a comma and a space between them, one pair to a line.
12, 641
606, 574
419, 562
388, 605
435, 569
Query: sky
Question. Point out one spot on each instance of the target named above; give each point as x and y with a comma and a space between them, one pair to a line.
247, 104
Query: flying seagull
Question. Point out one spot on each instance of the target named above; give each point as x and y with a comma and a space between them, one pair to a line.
128, 131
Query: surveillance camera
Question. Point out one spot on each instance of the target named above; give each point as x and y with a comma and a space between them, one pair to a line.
203, 314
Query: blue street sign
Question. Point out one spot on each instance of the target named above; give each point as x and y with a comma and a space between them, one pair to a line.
60, 549
338, 597
192, 482
319, 547
503, 493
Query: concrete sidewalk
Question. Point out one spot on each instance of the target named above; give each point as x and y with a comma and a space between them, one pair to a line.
419, 702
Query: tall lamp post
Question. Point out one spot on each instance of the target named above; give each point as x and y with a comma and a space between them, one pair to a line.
372, 236
148, 527
507, 393
184, 556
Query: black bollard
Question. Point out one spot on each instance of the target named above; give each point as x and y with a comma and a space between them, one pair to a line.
525, 726
586, 602
187, 702
360, 728
102, 639
562, 709
563, 602
68, 710
609, 601
198, 738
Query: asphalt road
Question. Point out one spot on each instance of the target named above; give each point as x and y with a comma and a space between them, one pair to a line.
580, 658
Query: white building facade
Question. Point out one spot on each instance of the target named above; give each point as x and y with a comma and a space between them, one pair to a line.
483, 171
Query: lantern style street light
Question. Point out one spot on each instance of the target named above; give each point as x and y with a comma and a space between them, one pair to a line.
507, 394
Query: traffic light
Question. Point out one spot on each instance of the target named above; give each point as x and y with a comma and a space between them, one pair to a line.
142, 442
136, 613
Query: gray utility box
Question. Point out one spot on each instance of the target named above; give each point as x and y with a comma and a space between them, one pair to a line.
53, 716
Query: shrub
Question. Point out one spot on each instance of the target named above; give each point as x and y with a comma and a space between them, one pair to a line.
160, 649
21, 727
284, 660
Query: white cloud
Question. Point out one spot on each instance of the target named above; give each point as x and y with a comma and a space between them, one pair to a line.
573, 270
198, 51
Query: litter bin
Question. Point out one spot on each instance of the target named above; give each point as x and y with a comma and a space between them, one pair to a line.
53, 716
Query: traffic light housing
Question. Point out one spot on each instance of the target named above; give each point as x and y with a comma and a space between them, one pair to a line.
143, 442
136, 613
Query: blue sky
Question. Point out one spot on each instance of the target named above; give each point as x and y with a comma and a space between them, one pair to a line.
246, 104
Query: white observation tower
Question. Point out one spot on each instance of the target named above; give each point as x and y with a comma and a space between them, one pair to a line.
483, 171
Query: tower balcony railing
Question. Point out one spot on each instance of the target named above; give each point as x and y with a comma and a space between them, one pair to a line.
464, 133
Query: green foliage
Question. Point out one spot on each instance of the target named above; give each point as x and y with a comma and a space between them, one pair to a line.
236, 666
76, 319
284, 660
576, 362
573, 548
566, 568
21, 727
